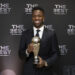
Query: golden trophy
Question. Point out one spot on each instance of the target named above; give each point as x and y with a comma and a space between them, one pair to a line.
36, 46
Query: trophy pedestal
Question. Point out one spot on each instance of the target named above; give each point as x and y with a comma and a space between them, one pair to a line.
36, 60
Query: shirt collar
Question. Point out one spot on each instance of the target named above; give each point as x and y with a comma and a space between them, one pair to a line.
41, 28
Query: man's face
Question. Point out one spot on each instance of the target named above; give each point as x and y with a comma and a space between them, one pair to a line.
37, 18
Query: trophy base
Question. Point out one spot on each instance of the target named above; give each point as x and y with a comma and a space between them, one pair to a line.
36, 61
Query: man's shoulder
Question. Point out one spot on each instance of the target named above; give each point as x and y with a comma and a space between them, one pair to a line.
28, 30
49, 30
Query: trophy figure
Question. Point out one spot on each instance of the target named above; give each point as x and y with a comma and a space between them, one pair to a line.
36, 46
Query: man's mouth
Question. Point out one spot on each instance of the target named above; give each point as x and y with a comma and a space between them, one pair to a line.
37, 21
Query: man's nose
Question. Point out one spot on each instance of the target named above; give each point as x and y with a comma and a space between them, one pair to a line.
36, 17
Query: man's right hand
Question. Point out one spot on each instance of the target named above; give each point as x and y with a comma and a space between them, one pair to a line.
30, 48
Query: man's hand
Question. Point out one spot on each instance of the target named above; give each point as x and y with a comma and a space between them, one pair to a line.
30, 48
41, 63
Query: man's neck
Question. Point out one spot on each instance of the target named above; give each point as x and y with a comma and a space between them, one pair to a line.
38, 27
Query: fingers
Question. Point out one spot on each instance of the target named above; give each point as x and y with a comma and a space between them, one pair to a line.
30, 48
41, 63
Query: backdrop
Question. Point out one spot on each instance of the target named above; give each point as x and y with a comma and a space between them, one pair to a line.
16, 17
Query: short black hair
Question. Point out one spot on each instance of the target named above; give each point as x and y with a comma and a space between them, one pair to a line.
38, 8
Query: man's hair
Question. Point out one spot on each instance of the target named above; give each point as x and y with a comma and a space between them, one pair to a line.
38, 8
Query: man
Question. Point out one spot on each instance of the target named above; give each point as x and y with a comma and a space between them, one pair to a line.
48, 52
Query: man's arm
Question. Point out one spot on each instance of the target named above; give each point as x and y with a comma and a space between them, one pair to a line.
22, 47
25, 49
54, 55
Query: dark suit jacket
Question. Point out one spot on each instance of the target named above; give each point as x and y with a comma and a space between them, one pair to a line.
48, 51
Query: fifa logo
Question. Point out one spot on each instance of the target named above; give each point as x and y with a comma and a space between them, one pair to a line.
60, 9
5, 51
28, 8
63, 49
17, 29
71, 30
4, 8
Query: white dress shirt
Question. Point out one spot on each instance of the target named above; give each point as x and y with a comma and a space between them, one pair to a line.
40, 32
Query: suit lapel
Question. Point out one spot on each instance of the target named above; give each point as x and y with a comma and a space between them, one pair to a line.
43, 41
44, 34
30, 34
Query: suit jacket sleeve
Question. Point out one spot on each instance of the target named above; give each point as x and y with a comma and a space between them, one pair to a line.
22, 47
55, 51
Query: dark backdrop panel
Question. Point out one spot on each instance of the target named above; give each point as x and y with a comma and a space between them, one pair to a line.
15, 17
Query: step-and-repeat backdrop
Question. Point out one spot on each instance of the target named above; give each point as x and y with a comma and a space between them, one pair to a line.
16, 17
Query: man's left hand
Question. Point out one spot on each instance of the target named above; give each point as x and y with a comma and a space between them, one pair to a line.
41, 63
